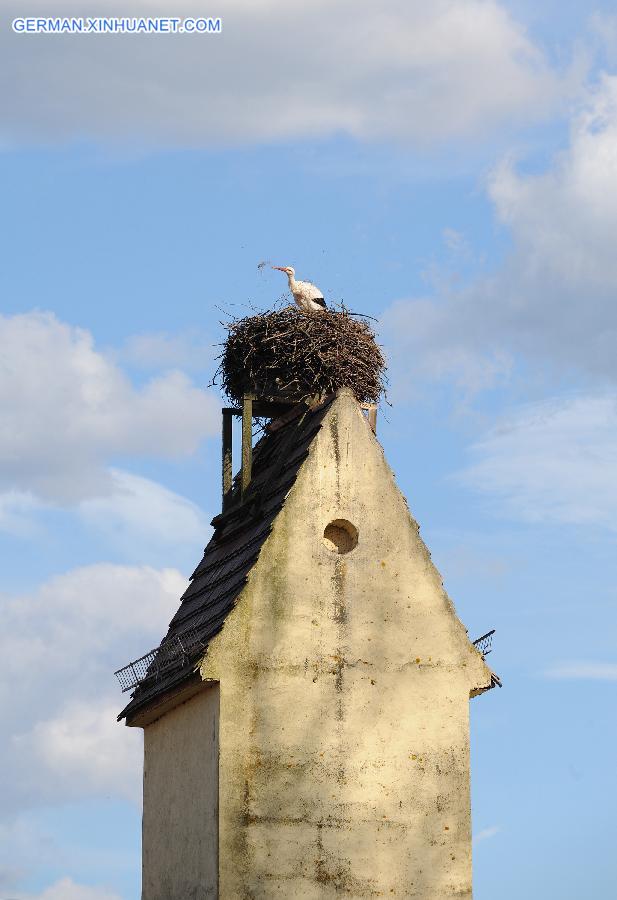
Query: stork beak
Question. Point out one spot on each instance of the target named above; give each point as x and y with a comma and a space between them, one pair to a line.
280, 268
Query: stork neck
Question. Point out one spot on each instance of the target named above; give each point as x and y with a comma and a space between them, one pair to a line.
292, 281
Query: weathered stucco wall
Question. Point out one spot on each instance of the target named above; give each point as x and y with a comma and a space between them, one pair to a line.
345, 682
180, 821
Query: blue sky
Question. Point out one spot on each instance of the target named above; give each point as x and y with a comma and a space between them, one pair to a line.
448, 168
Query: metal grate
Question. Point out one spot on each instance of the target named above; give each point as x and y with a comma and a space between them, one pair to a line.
158, 661
484, 643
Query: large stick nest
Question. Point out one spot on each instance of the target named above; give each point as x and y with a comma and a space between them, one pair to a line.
299, 355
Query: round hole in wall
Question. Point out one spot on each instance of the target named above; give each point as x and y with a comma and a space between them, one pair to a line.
340, 536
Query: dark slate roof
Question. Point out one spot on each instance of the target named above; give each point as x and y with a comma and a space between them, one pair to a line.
239, 535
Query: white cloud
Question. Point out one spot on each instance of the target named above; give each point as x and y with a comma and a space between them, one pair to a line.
583, 671
23, 841
84, 746
67, 409
67, 889
552, 301
137, 517
603, 29
59, 646
427, 338
553, 461
486, 833
456, 242
189, 351
139, 512
563, 219
403, 69
17, 511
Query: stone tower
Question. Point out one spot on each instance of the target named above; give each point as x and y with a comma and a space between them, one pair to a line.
306, 718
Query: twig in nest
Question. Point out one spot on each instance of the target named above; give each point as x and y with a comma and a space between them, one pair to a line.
299, 355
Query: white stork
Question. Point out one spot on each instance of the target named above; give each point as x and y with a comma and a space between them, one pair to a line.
308, 297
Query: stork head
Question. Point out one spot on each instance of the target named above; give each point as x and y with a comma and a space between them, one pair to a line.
288, 270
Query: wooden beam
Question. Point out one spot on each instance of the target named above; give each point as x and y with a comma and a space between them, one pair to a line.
247, 441
372, 418
268, 409
227, 457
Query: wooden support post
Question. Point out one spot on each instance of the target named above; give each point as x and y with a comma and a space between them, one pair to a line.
227, 457
372, 417
247, 441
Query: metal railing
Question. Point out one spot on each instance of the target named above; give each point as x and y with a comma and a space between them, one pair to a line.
179, 648
485, 643
157, 662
